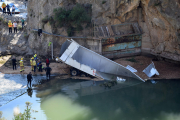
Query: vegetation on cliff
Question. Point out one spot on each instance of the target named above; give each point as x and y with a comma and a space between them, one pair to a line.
72, 19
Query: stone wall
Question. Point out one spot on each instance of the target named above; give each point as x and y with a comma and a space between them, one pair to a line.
159, 20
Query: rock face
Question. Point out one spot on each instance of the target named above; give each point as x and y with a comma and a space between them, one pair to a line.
159, 20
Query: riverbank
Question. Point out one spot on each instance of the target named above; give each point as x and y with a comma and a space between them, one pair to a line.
167, 70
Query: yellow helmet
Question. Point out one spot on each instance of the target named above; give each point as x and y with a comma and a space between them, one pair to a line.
32, 58
9, 20
35, 54
21, 58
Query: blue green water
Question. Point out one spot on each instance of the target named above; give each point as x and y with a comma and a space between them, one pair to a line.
86, 100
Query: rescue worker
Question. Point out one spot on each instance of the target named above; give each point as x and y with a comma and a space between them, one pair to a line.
21, 65
47, 61
29, 79
40, 66
4, 7
14, 63
31, 62
34, 64
10, 26
35, 58
48, 72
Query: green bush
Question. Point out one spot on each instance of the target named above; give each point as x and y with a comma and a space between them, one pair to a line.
79, 15
45, 20
71, 19
1, 19
26, 35
103, 2
157, 4
19, 27
27, 113
51, 21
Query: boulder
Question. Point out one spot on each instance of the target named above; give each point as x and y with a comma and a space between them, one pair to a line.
21, 44
23, 48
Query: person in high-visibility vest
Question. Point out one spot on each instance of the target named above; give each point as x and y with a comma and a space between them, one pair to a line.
34, 64
31, 62
21, 65
10, 26
4, 7
35, 58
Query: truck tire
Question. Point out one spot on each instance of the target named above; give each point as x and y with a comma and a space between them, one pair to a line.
74, 72
83, 74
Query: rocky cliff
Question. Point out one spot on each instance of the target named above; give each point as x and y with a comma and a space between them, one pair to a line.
159, 20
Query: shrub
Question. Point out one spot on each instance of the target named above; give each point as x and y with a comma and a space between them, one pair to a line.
157, 4
45, 20
103, 2
26, 115
26, 35
61, 17
79, 15
19, 27
71, 19
1, 19
51, 21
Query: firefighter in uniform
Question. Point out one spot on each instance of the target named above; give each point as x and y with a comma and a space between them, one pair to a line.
21, 65
34, 64
31, 62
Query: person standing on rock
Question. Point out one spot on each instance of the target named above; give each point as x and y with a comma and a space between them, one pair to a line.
21, 65
29, 79
48, 72
4, 7
10, 26
13, 10
40, 66
31, 62
14, 63
8, 9
15, 26
47, 61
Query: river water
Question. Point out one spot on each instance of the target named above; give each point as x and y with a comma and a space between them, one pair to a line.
87, 100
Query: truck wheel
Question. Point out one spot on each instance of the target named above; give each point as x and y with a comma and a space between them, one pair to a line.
74, 72
83, 74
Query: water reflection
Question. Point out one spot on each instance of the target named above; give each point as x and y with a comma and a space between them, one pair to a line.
127, 101
87, 100
29, 92
63, 108
168, 116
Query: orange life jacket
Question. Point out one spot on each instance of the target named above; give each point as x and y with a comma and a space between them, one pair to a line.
10, 24
3, 5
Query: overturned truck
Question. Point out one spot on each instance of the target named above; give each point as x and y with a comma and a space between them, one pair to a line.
94, 64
